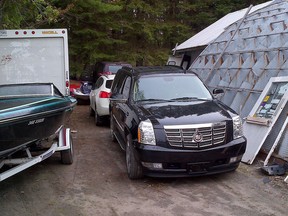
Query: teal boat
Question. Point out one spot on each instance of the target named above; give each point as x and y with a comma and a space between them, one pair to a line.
30, 113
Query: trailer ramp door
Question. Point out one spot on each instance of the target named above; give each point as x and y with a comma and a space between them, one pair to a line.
32, 60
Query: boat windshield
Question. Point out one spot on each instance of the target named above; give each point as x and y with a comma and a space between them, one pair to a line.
26, 90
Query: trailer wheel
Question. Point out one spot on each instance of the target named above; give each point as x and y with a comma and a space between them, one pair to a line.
67, 155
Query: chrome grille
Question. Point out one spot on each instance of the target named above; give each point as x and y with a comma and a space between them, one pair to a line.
197, 135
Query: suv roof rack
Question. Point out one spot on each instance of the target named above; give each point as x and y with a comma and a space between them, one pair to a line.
127, 68
147, 69
155, 69
176, 66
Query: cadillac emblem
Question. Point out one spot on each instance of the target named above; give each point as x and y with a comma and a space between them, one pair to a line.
197, 137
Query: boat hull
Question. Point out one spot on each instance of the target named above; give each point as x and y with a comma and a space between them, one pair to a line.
27, 120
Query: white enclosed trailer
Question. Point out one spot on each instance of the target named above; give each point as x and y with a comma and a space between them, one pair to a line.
35, 55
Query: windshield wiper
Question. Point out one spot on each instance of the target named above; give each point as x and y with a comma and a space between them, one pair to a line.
153, 99
189, 98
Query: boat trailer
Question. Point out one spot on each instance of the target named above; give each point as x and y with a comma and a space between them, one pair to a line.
63, 143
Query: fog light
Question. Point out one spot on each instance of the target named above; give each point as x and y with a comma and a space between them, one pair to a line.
235, 159
153, 166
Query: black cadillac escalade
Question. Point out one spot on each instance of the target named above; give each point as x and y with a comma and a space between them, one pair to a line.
169, 124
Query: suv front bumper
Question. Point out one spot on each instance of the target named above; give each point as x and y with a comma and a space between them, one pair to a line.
158, 161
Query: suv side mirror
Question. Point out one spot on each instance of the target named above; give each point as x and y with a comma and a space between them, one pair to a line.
218, 91
171, 63
118, 98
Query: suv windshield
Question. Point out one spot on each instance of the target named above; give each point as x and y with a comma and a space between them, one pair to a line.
170, 87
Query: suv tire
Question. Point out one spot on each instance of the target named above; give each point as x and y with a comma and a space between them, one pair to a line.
134, 168
112, 129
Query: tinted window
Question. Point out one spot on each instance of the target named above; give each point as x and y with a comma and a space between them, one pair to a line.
109, 83
99, 83
169, 87
126, 87
117, 87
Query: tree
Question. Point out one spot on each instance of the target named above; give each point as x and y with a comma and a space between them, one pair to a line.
141, 32
91, 32
150, 31
26, 13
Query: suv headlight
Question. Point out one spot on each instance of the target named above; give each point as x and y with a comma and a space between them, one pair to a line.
237, 127
146, 133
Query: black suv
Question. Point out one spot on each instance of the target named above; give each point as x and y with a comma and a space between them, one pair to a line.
170, 125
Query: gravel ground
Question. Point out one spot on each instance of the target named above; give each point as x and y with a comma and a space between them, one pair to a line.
97, 184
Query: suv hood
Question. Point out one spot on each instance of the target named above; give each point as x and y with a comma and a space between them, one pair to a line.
183, 113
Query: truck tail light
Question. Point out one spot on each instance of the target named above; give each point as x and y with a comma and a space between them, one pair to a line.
104, 94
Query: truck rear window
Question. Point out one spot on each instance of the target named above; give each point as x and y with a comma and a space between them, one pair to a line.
109, 84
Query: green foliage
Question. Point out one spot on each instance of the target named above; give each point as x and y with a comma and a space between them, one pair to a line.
26, 13
91, 26
141, 32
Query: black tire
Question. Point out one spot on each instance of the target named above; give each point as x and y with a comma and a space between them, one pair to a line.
68, 155
98, 119
134, 168
91, 111
112, 129
82, 102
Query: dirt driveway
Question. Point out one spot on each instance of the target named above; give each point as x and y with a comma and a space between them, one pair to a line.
97, 184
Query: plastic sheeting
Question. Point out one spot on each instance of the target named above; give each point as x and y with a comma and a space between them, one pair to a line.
257, 52
210, 33
242, 65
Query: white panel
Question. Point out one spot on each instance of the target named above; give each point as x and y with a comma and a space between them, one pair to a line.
32, 60
256, 134
283, 149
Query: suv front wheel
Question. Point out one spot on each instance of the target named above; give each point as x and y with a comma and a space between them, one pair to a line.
134, 167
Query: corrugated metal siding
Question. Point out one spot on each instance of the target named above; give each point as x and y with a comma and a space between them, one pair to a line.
258, 51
